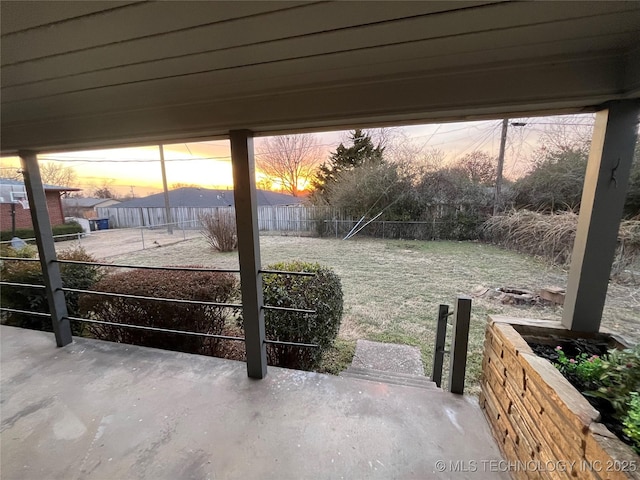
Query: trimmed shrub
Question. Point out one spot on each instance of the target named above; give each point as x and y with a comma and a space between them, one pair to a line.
220, 230
25, 233
322, 293
35, 299
183, 285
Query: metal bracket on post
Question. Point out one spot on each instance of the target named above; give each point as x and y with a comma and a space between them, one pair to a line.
438, 352
459, 345
46, 248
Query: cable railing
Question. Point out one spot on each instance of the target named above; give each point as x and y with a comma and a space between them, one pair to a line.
235, 306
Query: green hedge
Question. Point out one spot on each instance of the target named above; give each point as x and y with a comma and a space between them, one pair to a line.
184, 285
24, 233
322, 293
35, 299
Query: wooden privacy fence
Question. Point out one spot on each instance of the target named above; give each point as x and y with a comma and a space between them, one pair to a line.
297, 218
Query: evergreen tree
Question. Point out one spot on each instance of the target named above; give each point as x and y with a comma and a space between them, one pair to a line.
361, 152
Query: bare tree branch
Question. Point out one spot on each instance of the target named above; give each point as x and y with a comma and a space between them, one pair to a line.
291, 160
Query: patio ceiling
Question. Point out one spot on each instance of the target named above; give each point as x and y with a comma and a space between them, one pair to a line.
91, 74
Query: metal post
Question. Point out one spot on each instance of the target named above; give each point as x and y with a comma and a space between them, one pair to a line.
438, 351
244, 187
601, 209
46, 248
459, 345
503, 143
167, 206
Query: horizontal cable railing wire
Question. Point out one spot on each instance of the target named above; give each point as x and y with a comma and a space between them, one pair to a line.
160, 299
157, 329
292, 344
26, 312
20, 259
146, 267
14, 284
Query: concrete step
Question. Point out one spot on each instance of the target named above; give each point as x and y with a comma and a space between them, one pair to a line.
392, 378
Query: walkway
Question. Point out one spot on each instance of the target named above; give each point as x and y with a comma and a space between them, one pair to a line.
99, 410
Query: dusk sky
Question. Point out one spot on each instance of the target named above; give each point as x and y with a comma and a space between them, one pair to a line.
207, 164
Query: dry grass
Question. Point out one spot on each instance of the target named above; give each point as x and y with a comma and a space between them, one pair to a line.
393, 288
551, 237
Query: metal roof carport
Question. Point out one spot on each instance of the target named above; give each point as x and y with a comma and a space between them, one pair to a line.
79, 75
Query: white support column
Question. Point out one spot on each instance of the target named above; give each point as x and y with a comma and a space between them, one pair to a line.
601, 208
246, 206
46, 248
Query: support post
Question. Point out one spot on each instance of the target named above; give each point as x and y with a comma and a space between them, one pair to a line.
459, 345
46, 248
244, 187
603, 196
438, 351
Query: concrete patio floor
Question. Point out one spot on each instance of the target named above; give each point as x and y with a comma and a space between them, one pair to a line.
99, 410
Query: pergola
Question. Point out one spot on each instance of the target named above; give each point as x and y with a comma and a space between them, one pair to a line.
79, 75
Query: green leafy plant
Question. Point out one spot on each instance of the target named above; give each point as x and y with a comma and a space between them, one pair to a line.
321, 293
35, 299
611, 382
620, 375
585, 367
632, 421
176, 284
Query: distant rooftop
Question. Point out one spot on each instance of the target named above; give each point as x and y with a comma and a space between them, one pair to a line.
203, 198
85, 202
16, 187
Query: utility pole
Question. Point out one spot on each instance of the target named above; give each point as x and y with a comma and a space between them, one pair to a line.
166, 192
503, 143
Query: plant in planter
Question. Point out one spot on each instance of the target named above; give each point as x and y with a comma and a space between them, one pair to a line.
611, 383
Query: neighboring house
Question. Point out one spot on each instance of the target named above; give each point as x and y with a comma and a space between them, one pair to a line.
187, 204
85, 207
13, 197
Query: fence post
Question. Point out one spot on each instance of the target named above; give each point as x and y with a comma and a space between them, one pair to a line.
459, 345
438, 351
142, 235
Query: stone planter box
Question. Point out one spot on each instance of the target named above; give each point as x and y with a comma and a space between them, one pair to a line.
545, 428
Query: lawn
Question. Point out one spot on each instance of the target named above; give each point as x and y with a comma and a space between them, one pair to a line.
393, 288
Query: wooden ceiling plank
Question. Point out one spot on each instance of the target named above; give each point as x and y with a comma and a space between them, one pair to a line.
486, 93
115, 26
269, 79
21, 15
553, 35
177, 22
313, 18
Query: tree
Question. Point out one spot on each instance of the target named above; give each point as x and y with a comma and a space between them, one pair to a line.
59, 175
290, 160
104, 190
555, 183
478, 167
361, 152
370, 189
177, 185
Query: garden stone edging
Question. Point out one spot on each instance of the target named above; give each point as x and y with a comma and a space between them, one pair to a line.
537, 417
